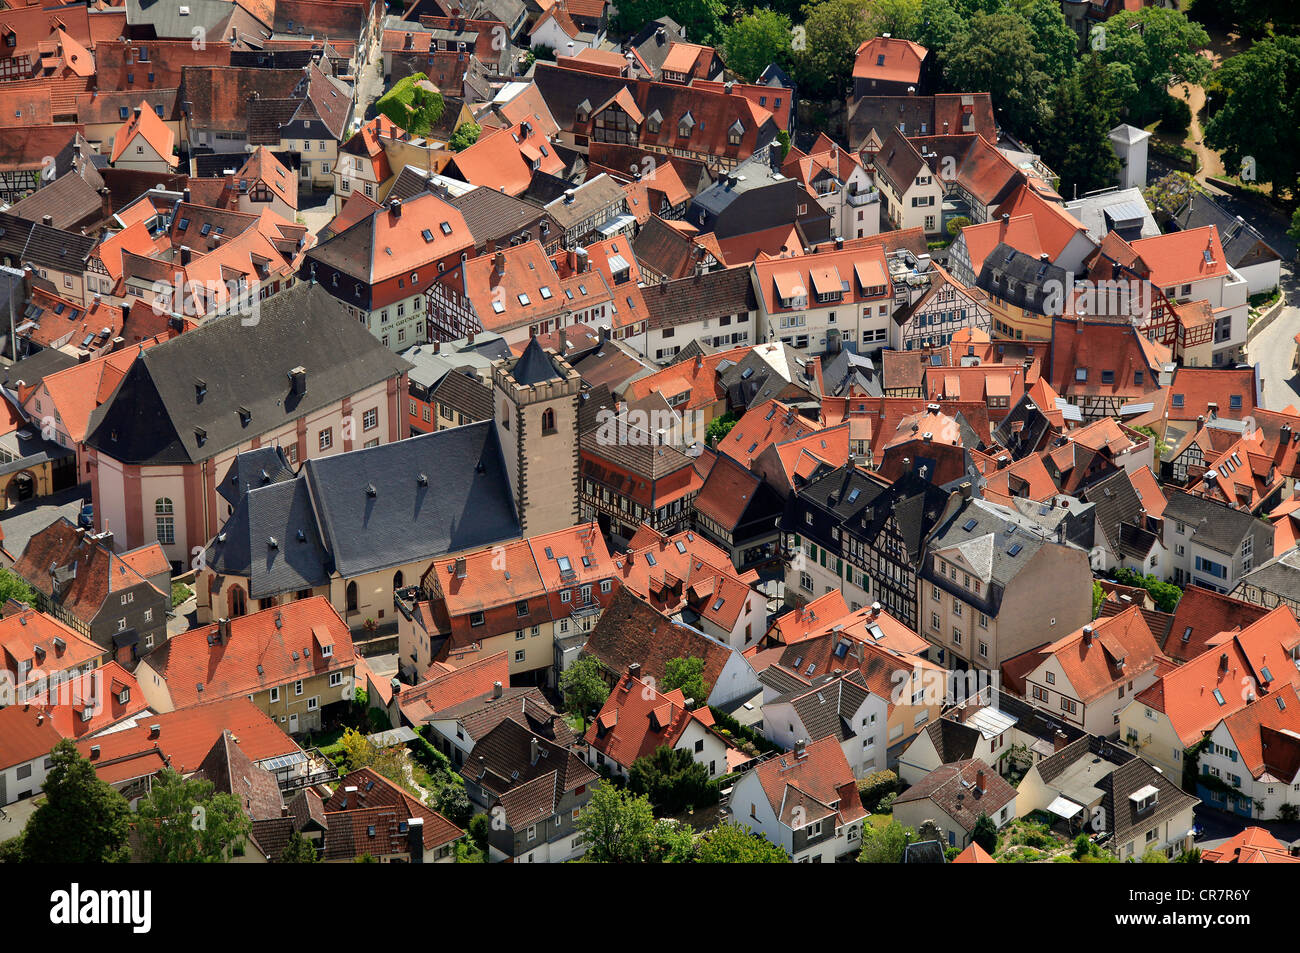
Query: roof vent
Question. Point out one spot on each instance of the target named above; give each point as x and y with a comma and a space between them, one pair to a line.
371, 491
421, 479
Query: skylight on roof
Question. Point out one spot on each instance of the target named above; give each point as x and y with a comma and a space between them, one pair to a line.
1015, 550
427, 235
1218, 697
970, 524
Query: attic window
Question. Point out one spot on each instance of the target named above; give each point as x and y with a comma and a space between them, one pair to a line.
245, 416
1234, 402
200, 435
1187, 634
1015, 550
207, 227
427, 235
1178, 401
182, 225
446, 228
1218, 697
1080, 373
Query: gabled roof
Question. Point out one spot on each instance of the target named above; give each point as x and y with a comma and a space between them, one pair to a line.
155, 417
963, 790
262, 650
636, 720
811, 785
145, 125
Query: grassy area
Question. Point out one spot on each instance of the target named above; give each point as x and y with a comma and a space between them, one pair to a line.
180, 593
412, 108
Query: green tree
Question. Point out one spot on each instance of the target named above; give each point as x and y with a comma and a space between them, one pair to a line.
834, 29
1169, 193
466, 135
701, 18
671, 842
900, 18
955, 225
359, 752
184, 820
673, 780
1192, 856
719, 427
1160, 47
985, 833
885, 845
299, 850
688, 675
782, 137
1052, 36
1255, 127
617, 826
940, 23
1098, 597
82, 820
583, 686
757, 40
1076, 137
13, 587
995, 52
732, 843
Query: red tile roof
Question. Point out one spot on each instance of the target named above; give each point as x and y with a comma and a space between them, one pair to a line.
1178, 257
146, 125
1254, 845
198, 670
803, 786
637, 720
184, 738
889, 59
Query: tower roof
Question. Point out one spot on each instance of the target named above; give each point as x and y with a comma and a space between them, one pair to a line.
534, 366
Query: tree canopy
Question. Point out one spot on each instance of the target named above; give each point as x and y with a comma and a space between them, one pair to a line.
583, 686
756, 40
185, 821
82, 820
688, 675
673, 780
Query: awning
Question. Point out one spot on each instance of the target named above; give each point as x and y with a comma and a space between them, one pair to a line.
1064, 807
789, 285
998, 385
826, 281
870, 274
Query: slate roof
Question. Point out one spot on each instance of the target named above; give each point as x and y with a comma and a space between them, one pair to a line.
156, 418
253, 468
1242, 243
1122, 813
231, 771
534, 366
43, 245
467, 503
1216, 525
281, 511
493, 216
826, 708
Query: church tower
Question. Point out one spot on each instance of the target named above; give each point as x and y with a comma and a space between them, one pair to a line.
535, 407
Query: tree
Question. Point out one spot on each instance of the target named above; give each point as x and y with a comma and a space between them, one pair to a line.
1160, 47
466, 135
299, 850
185, 821
1255, 127
985, 833
900, 18
671, 842
673, 780
13, 587
719, 427
833, 31
955, 225
82, 820
940, 23
757, 40
732, 843
702, 19
995, 52
1076, 137
783, 138
360, 752
1052, 36
1192, 856
885, 845
583, 686
1169, 193
688, 675
617, 826
1098, 597
1153, 856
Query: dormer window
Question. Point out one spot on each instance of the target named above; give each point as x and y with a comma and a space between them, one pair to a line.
736, 133
685, 126
654, 121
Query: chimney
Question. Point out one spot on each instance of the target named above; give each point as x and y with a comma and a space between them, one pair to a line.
185, 253
496, 689
568, 196
395, 206
965, 489
979, 781
533, 750
298, 378
396, 686
1087, 635
460, 567
634, 669
136, 111
1059, 740
1223, 662
799, 748
155, 730
223, 631
185, 196
47, 221
498, 266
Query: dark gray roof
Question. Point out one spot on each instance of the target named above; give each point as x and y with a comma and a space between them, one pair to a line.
534, 366
281, 512
1121, 811
591, 197
32, 370
1243, 245
826, 708
724, 291
467, 502
1217, 525
464, 392
849, 370
1117, 505
1280, 575
1022, 280
156, 416
43, 245
251, 469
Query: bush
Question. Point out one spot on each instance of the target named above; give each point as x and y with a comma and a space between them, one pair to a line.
1175, 116
1165, 594
875, 786
725, 722
180, 592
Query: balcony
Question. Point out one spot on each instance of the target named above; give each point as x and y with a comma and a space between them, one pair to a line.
301, 769
858, 199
